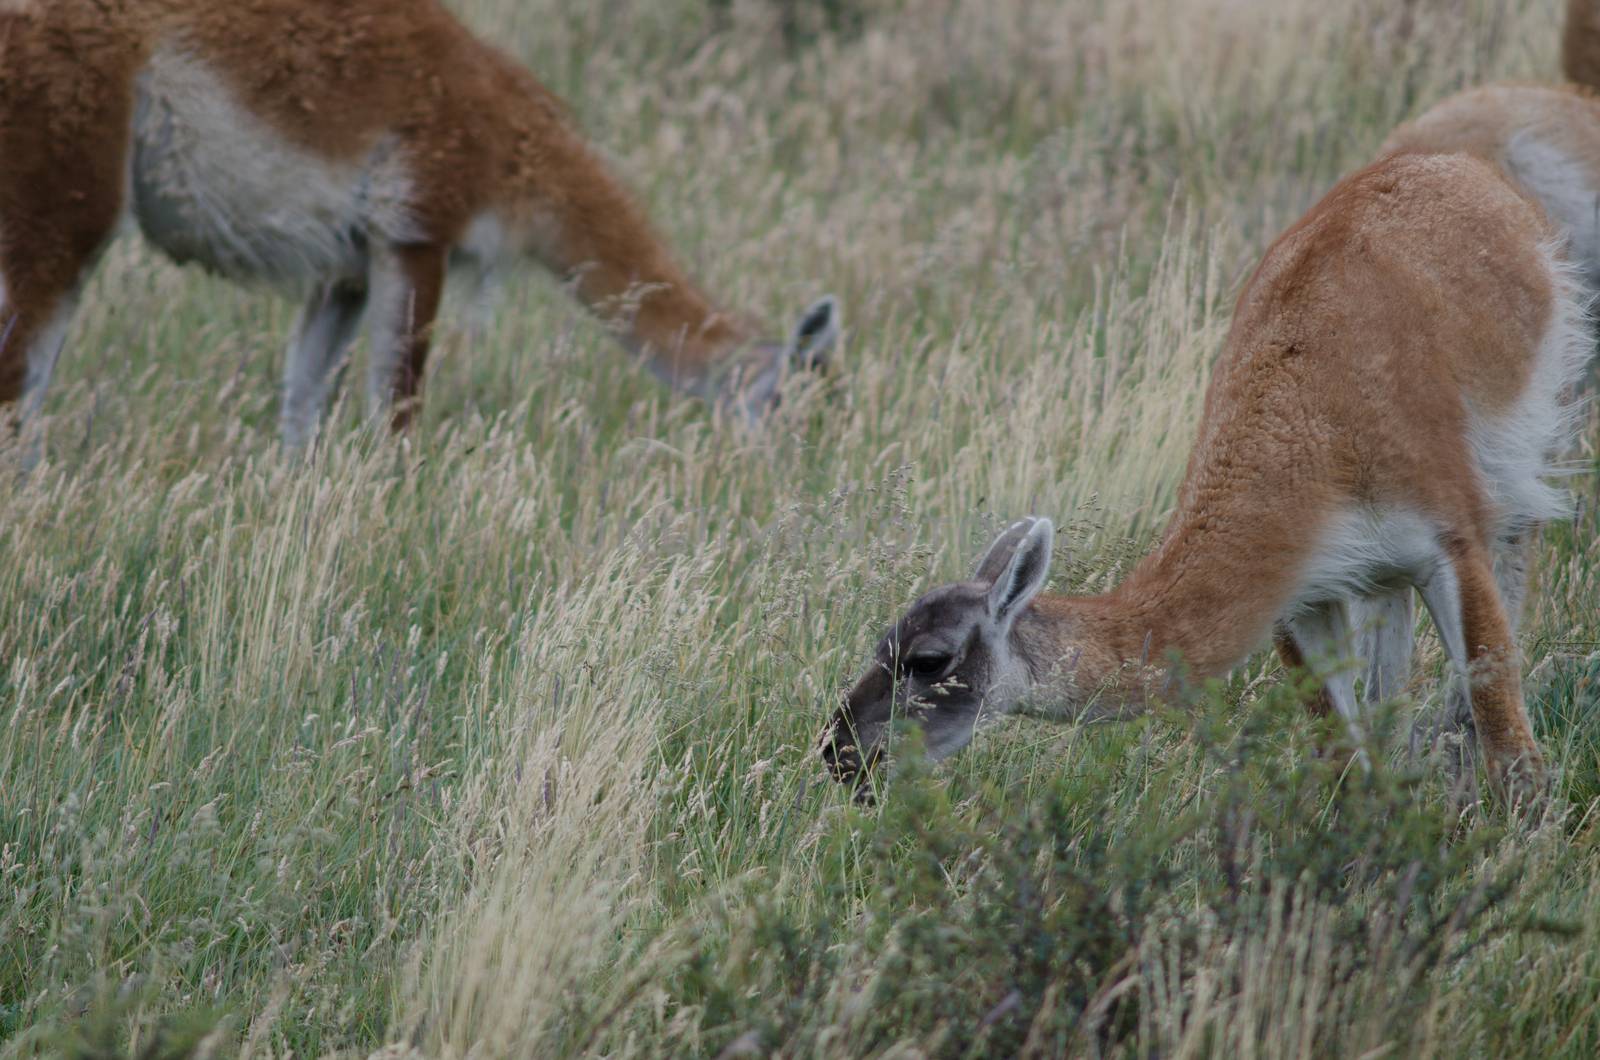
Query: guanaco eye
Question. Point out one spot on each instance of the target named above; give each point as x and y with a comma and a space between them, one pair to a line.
928, 665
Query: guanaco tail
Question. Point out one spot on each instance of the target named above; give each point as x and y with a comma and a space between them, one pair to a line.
347, 151
1383, 415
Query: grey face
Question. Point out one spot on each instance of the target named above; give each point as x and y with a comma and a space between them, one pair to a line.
934, 667
947, 662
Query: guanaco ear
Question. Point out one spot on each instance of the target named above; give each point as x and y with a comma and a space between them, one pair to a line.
1025, 574
998, 558
815, 335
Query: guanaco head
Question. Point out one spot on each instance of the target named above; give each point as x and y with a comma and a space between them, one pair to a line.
949, 661
806, 350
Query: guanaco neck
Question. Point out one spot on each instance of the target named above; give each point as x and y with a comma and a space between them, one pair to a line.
581, 224
1227, 567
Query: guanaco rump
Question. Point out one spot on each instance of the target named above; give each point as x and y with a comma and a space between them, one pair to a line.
1383, 415
1545, 139
346, 151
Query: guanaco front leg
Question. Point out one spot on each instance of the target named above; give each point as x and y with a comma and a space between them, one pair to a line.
406, 283
1320, 705
1321, 636
1387, 622
322, 337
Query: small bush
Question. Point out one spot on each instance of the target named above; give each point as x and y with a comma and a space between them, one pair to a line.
981, 929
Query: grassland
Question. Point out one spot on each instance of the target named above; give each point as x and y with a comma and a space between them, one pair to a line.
499, 742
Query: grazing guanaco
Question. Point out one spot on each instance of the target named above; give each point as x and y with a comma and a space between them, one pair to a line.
348, 151
1383, 414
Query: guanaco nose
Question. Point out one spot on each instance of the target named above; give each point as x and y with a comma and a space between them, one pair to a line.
839, 751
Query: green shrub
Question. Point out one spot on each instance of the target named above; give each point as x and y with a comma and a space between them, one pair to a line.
1004, 925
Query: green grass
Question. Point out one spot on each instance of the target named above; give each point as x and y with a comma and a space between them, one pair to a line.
500, 741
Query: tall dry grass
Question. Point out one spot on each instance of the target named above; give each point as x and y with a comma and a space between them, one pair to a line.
499, 741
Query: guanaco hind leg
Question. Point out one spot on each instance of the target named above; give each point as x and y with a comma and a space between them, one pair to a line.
1478, 634
34, 320
63, 177
1511, 577
32, 331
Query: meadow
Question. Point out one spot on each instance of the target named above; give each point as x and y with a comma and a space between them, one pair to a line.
500, 741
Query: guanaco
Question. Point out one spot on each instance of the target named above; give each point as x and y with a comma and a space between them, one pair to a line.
1398, 379
1394, 385
347, 151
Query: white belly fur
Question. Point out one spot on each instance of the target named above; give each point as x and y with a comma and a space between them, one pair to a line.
215, 184
1364, 549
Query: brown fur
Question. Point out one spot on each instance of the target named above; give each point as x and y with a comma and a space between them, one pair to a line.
1327, 394
63, 160
1482, 121
1580, 43
1502, 724
333, 77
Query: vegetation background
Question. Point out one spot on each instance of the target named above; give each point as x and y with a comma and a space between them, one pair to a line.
500, 742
